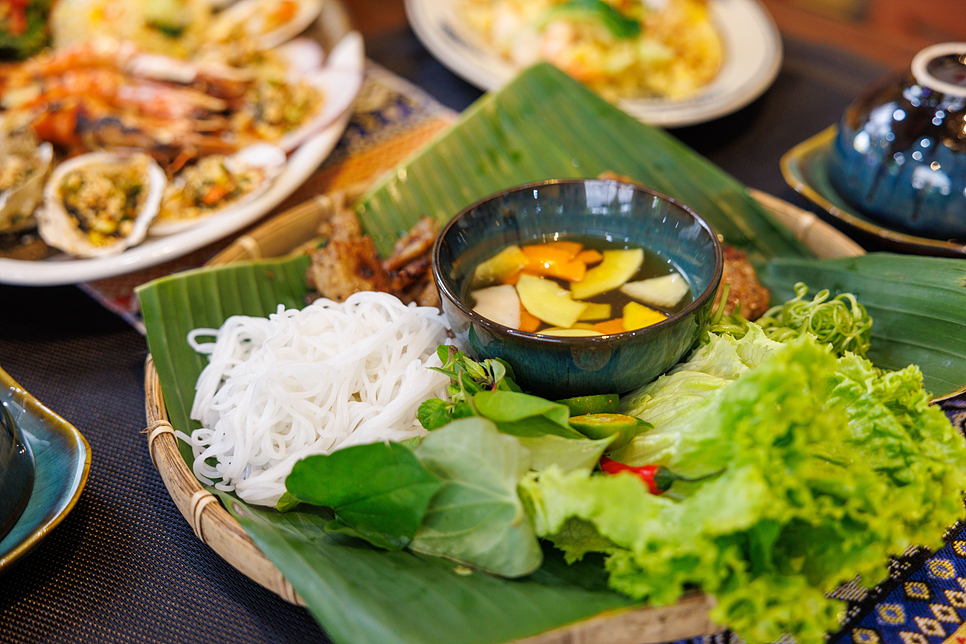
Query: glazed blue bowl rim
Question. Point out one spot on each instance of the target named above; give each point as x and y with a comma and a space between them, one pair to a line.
584, 341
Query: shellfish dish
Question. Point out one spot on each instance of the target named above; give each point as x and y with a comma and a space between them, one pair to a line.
217, 183
23, 167
212, 102
100, 203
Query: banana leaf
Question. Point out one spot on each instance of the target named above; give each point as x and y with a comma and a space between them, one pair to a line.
917, 304
544, 125
203, 299
361, 595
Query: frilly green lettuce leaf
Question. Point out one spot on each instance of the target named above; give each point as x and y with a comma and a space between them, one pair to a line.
830, 465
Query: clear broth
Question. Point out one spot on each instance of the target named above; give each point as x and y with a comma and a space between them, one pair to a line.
654, 265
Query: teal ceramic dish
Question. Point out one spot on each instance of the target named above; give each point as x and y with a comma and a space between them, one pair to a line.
806, 169
538, 212
16, 471
62, 460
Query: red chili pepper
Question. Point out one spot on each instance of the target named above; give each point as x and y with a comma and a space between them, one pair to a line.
657, 477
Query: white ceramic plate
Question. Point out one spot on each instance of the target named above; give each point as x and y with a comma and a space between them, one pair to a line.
752, 58
62, 269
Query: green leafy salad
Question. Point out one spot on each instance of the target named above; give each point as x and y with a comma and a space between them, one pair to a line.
772, 464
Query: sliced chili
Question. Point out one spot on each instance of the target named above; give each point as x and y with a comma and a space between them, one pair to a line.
657, 477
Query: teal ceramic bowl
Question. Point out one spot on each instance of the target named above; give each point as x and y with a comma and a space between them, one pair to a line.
557, 367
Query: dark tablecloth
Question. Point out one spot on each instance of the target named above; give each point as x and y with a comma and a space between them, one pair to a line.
124, 566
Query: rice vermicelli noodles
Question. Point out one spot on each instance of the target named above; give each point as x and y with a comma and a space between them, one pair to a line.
309, 381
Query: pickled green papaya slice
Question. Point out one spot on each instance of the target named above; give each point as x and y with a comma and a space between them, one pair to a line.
617, 267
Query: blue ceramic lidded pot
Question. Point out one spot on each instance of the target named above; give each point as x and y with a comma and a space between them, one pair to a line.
900, 152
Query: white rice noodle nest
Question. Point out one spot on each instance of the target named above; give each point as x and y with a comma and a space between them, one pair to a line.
59, 229
268, 159
306, 382
339, 80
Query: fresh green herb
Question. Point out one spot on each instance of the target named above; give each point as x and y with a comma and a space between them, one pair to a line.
918, 304
435, 412
620, 26
380, 491
471, 377
522, 414
478, 518
733, 324
486, 389
841, 322
468, 378
565, 454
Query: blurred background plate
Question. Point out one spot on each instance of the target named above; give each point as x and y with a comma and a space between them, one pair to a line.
805, 168
752, 58
62, 460
330, 27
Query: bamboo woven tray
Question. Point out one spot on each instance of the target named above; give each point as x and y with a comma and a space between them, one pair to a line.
290, 232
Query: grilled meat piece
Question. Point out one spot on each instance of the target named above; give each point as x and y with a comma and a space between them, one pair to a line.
344, 267
348, 263
407, 275
343, 226
745, 291
414, 244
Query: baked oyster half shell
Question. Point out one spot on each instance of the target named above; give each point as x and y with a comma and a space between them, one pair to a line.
310, 95
23, 168
217, 185
100, 203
